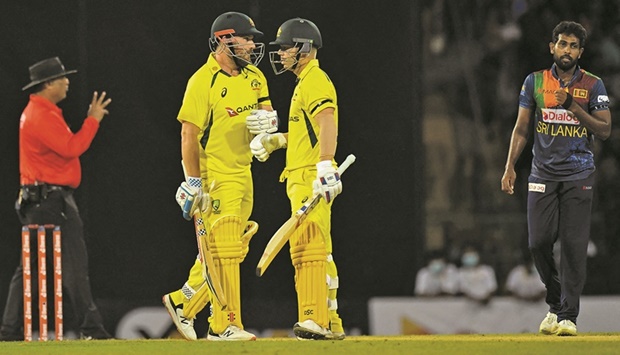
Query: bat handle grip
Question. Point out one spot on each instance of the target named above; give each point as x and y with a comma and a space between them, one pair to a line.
346, 163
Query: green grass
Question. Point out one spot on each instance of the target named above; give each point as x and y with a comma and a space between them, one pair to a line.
587, 343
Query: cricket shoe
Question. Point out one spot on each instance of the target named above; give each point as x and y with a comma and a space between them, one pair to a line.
184, 325
566, 328
549, 325
309, 330
231, 333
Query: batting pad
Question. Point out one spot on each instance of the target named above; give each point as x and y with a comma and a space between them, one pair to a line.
332, 283
198, 300
309, 258
335, 323
227, 250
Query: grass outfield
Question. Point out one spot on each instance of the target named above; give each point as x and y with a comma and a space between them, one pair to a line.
586, 343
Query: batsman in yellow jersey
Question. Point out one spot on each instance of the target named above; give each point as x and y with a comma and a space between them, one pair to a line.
226, 103
310, 169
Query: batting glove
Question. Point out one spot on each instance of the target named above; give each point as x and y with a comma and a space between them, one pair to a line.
264, 144
190, 197
262, 121
327, 181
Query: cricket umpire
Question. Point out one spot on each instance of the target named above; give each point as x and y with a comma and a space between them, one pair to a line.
50, 171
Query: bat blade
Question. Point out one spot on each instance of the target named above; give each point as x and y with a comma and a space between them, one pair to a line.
276, 243
209, 272
283, 234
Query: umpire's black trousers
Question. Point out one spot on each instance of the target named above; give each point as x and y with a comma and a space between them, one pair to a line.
59, 208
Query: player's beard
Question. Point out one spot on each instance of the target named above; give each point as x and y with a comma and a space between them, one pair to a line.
242, 57
564, 66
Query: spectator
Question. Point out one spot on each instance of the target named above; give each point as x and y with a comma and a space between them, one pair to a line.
476, 281
437, 278
524, 282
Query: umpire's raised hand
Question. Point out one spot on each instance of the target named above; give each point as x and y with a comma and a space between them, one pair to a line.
97, 108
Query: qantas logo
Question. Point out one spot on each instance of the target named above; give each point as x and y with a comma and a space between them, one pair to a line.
232, 112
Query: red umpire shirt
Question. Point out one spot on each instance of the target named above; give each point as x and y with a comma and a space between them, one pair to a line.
48, 151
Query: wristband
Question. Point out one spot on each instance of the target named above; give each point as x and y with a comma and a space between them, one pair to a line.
568, 101
324, 164
194, 182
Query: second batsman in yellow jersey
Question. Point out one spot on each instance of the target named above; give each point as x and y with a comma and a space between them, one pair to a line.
310, 169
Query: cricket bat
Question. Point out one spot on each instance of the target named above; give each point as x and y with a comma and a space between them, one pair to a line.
212, 278
209, 273
282, 235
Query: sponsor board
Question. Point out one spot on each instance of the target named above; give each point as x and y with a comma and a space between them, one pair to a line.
502, 315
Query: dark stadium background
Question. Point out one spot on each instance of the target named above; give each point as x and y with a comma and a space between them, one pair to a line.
142, 53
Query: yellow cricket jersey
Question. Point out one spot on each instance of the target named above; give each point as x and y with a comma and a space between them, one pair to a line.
314, 92
218, 104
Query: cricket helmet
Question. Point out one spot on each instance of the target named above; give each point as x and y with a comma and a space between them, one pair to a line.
294, 33
298, 30
235, 24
